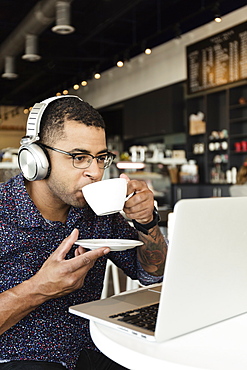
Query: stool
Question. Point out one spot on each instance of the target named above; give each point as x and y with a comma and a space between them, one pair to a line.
113, 269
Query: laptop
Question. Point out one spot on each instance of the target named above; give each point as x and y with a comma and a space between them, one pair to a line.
205, 277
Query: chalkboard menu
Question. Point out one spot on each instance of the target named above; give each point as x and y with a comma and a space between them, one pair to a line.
218, 60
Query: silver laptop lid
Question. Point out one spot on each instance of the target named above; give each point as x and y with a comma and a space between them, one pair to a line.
206, 270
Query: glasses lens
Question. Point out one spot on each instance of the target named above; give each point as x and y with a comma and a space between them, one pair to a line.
105, 160
82, 160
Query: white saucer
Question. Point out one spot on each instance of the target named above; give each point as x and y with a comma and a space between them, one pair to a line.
113, 244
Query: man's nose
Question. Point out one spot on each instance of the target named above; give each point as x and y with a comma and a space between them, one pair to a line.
93, 170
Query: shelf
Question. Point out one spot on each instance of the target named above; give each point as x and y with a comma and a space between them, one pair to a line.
8, 165
222, 112
197, 135
238, 136
237, 106
169, 161
237, 153
218, 140
238, 120
218, 151
210, 164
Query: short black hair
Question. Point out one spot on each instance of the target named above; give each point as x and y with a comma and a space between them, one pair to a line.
67, 108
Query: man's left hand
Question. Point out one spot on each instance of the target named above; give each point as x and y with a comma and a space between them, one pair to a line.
140, 205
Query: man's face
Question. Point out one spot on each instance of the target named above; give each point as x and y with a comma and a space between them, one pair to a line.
65, 181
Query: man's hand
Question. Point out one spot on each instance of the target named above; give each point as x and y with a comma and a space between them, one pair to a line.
141, 205
59, 276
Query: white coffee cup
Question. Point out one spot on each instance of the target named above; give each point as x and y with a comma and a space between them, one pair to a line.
107, 196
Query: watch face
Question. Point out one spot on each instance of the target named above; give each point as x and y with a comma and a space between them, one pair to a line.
156, 216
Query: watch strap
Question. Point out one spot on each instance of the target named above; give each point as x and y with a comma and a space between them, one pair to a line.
145, 227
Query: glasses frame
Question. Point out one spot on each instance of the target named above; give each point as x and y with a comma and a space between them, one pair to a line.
73, 155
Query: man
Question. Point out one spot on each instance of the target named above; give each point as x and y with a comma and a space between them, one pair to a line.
42, 272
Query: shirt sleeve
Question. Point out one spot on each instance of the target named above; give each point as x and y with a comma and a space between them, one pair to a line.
145, 278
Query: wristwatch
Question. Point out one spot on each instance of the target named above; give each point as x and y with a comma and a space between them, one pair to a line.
145, 227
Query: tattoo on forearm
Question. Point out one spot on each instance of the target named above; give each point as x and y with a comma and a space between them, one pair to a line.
153, 234
152, 254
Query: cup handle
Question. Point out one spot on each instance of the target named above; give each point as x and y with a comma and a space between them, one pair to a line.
129, 196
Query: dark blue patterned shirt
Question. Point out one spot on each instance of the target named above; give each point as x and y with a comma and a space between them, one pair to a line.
50, 332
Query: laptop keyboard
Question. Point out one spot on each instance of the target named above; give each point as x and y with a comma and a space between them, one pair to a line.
144, 317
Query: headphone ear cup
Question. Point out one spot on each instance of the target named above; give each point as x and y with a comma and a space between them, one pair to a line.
33, 162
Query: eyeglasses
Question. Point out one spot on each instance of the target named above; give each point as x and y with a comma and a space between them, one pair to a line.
84, 160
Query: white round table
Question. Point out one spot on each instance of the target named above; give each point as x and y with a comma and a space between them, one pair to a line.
222, 346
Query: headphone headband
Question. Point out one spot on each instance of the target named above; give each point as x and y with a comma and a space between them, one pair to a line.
34, 118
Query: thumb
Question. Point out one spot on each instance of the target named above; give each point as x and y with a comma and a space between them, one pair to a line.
66, 244
124, 176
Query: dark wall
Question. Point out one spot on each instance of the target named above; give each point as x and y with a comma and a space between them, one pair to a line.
114, 121
157, 112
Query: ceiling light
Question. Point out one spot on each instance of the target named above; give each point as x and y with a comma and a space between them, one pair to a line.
217, 19
26, 111
65, 92
147, 51
58, 94
84, 83
63, 26
76, 87
9, 68
216, 10
31, 50
120, 63
97, 76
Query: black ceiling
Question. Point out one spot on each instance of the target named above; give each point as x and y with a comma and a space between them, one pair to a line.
104, 29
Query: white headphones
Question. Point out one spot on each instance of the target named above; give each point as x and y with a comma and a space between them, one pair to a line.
33, 160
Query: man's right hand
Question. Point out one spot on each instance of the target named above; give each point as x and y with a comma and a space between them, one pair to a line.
57, 277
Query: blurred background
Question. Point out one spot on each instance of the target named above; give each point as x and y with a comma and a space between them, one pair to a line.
168, 76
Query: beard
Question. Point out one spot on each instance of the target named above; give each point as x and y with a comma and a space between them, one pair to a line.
65, 194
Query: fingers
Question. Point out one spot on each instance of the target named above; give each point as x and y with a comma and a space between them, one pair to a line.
139, 187
82, 257
66, 245
140, 205
141, 193
124, 176
79, 250
59, 276
85, 258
